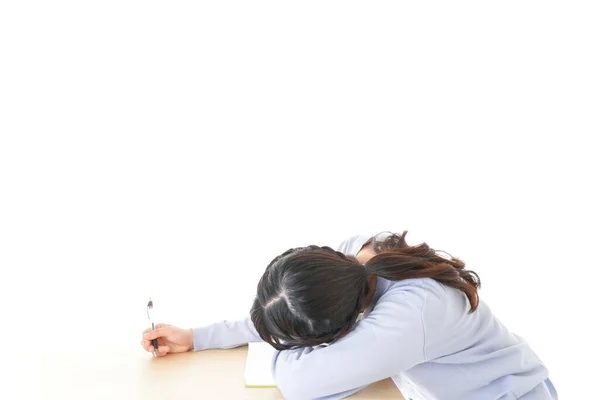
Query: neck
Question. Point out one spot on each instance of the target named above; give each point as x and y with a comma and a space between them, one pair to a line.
365, 254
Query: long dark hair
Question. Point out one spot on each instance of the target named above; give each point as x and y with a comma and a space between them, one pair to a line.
313, 295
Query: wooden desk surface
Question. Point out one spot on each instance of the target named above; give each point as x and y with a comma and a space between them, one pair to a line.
127, 374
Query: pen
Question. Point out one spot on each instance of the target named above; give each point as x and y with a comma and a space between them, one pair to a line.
148, 311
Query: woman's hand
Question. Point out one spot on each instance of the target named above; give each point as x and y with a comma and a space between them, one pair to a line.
171, 339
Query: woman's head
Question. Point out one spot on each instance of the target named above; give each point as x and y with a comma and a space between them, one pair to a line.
313, 295
308, 296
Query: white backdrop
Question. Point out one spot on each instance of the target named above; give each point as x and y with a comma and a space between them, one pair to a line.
173, 149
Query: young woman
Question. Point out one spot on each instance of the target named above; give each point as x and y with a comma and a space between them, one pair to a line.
372, 309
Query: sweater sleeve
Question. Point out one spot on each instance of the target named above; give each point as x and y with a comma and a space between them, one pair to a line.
388, 341
225, 335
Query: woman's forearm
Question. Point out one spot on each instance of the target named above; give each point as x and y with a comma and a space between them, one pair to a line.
225, 335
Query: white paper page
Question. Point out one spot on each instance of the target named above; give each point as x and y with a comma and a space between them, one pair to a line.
258, 365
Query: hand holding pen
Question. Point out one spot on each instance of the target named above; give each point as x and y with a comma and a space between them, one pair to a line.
161, 339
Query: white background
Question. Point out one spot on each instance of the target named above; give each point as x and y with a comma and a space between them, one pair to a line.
173, 149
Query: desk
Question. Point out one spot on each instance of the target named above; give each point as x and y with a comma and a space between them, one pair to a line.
121, 374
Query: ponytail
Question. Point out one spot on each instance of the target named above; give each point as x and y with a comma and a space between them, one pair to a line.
395, 260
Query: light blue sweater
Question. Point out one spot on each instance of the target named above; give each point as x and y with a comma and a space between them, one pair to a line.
418, 332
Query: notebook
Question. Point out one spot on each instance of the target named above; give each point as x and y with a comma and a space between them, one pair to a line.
258, 366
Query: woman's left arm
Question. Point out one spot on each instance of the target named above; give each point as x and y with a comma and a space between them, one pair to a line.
388, 341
